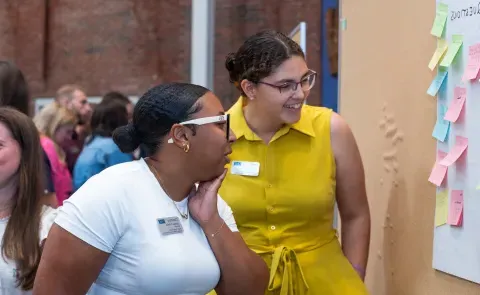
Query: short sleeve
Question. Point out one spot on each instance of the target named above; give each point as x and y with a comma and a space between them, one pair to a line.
47, 218
97, 212
227, 215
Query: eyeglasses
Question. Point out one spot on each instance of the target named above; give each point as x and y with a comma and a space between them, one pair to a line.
209, 120
306, 84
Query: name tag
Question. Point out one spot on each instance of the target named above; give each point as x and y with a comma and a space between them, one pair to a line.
170, 226
245, 168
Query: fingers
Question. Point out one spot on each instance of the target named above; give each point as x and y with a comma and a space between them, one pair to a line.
218, 181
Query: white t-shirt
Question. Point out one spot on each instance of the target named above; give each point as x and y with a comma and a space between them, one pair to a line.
116, 211
8, 280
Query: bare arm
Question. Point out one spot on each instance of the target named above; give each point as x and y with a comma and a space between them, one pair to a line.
243, 271
351, 195
72, 273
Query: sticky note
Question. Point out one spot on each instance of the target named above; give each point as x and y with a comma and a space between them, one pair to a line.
461, 144
441, 208
456, 106
437, 82
457, 41
439, 171
440, 131
442, 46
455, 210
473, 66
440, 20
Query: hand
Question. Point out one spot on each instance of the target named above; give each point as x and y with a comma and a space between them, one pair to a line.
203, 203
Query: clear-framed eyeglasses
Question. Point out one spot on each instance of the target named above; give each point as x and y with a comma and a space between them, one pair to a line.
306, 83
220, 119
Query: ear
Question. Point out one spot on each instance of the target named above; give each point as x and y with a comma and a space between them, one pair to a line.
249, 88
180, 135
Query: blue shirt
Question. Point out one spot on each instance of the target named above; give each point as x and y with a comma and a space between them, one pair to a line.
97, 155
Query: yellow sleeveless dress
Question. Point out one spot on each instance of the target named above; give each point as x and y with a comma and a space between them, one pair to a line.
285, 214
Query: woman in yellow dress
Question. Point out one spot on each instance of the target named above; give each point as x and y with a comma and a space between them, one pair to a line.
289, 164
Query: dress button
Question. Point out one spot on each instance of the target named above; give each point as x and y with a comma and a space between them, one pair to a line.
269, 185
270, 209
272, 227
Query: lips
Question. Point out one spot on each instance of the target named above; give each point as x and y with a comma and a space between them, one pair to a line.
293, 106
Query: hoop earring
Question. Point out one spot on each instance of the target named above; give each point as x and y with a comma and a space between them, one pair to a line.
186, 147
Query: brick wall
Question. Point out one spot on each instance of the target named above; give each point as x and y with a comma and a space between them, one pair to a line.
236, 20
130, 45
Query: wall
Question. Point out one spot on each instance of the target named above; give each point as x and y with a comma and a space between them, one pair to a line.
235, 20
385, 51
127, 45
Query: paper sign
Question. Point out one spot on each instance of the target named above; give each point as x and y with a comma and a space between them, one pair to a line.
440, 20
457, 41
461, 144
456, 106
442, 46
455, 210
439, 171
440, 131
473, 66
437, 82
441, 208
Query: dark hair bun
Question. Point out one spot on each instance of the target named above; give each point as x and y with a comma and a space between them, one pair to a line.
126, 138
230, 65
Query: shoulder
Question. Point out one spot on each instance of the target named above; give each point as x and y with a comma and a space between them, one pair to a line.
47, 217
124, 175
343, 140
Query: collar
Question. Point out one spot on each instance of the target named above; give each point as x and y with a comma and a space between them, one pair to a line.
240, 127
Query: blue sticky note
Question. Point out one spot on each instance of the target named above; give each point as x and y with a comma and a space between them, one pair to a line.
437, 82
440, 131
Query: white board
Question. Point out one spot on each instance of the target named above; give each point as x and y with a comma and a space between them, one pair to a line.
456, 250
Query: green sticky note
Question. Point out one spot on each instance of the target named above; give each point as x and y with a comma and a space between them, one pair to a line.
440, 20
457, 41
343, 24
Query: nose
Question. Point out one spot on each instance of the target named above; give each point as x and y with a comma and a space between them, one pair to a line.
231, 136
299, 93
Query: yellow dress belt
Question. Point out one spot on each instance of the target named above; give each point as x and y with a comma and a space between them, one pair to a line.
286, 274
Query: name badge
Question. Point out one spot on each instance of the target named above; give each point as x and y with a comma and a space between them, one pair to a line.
245, 168
170, 226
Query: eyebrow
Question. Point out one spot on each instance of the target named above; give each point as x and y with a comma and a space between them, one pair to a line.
291, 80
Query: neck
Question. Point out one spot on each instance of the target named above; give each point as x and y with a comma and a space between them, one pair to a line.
263, 127
7, 193
173, 175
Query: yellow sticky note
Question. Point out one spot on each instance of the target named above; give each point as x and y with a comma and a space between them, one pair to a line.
442, 46
440, 20
441, 208
457, 41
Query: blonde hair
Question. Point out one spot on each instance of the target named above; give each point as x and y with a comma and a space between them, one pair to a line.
65, 93
50, 119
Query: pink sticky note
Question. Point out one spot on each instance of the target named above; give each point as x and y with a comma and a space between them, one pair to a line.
456, 106
439, 171
455, 210
461, 144
473, 66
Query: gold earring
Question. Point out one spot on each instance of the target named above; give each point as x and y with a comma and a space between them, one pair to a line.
186, 147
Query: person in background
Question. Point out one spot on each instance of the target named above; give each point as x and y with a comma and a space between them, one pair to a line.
56, 125
290, 163
24, 222
100, 152
144, 227
73, 98
117, 96
14, 93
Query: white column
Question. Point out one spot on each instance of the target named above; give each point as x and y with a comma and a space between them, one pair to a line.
202, 43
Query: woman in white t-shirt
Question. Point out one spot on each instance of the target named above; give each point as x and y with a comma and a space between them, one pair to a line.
24, 222
156, 225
